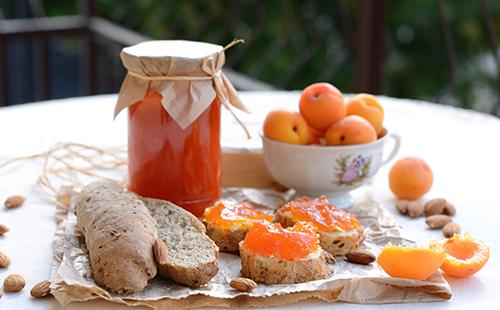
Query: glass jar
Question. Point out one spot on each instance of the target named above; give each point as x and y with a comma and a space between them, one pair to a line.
171, 163
174, 91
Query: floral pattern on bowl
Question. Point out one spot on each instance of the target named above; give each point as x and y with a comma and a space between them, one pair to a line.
350, 170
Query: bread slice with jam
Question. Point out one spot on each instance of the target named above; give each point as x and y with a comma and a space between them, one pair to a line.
228, 222
339, 231
271, 254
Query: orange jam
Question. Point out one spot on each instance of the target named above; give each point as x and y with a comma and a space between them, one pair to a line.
319, 211
228, 214
270, 239
171, 163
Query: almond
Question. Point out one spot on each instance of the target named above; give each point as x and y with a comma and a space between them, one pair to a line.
451, 229
14, 201
4, 260
359, 256
3, 229
243, 284
437, 221
13, 283
41, 289
330, 259
160, 251
434, 206
402, 206
415, 208
449, 209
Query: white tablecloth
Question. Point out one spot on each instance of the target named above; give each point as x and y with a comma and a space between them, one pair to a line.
462, 148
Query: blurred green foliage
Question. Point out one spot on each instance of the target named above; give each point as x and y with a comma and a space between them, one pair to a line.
291, 44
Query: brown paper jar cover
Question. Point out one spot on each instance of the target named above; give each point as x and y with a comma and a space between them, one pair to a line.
186, 73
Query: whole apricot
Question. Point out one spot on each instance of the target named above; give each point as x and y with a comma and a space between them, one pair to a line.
315, 136
322, 104
368, 107
351, 129
286, 126
410, 178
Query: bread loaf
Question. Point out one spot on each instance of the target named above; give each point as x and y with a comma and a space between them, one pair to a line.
119, 234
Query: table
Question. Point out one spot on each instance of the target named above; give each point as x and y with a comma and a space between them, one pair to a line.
462, 147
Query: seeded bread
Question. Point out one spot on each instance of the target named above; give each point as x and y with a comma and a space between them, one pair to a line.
273, 270
227, 239
119, 234
192, 255
334, 242
341, 242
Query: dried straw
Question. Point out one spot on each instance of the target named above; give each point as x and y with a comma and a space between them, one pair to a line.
70, 163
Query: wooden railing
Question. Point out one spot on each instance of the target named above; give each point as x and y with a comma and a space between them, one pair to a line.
93, 29
362, 40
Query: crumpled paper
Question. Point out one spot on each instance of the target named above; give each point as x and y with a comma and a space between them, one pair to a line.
71, 278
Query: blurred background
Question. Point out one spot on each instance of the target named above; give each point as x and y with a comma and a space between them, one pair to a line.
435, 50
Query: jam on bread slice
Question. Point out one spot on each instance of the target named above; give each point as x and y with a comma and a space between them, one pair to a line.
272, 254
228, 222
339, 231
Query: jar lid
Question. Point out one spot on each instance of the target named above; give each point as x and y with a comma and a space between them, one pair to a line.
173, 48
173, 60
186, 73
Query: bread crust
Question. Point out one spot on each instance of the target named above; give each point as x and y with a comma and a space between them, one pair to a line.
334, 242
227, 240
188, 275
119, 234
198, 272
272, 270
341, 243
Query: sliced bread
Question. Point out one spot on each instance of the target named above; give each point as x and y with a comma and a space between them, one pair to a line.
273, 270
332, 239
334, 242
192, 255
341, 242
227, 239
228, 222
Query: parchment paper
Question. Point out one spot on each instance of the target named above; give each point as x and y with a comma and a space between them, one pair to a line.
188, 83
71, 274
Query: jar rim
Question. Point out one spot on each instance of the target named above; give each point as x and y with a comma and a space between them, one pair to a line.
173, 48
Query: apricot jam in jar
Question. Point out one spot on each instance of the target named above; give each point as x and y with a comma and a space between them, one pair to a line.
173, 91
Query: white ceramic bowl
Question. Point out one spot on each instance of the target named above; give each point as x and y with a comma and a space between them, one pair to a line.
326, 170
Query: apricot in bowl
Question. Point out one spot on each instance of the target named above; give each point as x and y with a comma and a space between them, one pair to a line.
322, 104
368, 107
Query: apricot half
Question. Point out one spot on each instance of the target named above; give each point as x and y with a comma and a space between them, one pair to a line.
464, 255
410, 263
